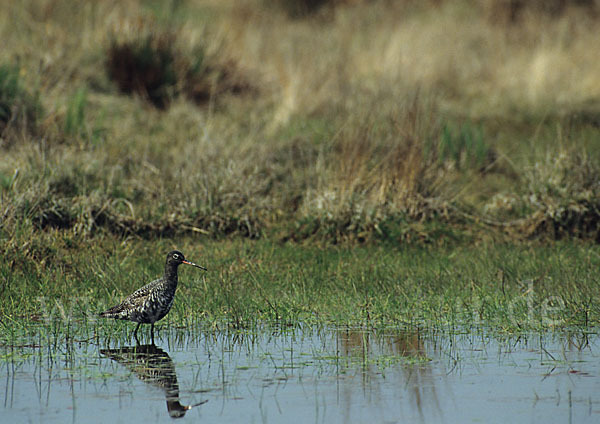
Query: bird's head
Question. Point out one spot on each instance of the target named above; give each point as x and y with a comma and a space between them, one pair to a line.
176, 258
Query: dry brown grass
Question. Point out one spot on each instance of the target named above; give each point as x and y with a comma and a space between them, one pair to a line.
385, 164
335, 136
543, 65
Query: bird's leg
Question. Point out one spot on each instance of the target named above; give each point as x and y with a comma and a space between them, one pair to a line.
152, 333
135, 332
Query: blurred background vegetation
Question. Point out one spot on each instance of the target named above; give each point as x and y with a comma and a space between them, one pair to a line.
400, 121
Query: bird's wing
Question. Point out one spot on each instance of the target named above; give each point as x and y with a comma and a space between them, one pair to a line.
134, 299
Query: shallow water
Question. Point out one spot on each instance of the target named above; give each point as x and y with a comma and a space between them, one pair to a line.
305, 376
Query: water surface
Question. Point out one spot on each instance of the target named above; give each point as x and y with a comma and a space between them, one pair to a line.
334, 375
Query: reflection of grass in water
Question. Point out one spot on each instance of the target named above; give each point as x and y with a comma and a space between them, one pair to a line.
16, 356
265, 351
379, 361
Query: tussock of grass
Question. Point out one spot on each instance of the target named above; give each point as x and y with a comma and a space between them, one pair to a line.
300, 8
144, 66
154, 64
563, 195
384, 167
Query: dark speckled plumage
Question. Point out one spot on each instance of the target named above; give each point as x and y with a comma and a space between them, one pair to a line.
152, 302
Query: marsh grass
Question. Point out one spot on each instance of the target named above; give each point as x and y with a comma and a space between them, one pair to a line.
318, 153
249, 284
374, 137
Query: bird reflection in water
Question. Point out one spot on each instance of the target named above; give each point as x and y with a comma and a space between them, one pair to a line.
154, 366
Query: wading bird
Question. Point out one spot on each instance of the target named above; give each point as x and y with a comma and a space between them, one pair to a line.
152, 302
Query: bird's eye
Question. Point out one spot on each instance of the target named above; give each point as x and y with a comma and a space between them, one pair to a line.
175, 256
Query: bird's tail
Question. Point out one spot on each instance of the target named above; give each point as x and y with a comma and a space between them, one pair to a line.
115, 312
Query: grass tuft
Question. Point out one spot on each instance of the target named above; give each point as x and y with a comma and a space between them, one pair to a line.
465, 147
144, 66
300, 8
153, 64
563, 195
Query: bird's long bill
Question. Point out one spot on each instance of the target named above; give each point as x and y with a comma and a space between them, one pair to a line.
193, 264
